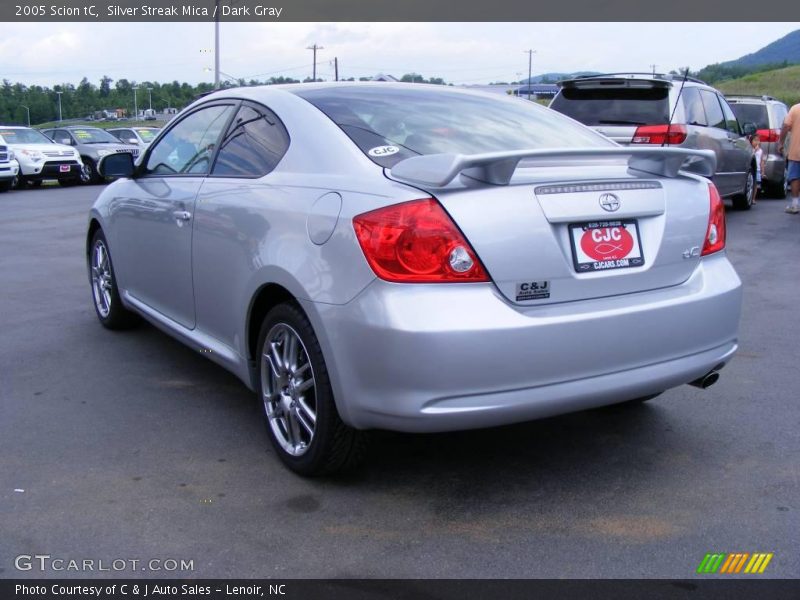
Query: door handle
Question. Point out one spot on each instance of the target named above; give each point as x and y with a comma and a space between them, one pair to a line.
181, 216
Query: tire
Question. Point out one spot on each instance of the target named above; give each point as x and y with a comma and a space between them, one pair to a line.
296, 398
90, 174
34, 182
744, 201
105, 294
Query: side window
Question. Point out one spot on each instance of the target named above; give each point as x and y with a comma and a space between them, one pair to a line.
187, 148
254, 144
695, 114
713, 110
731, 124
62, 136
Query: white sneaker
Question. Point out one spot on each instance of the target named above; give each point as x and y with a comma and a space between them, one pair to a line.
792, 210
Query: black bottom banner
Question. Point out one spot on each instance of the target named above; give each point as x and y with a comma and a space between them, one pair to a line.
402, 589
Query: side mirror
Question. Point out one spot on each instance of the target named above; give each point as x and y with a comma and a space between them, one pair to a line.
119, 164
65, 140
131, 140
749, 129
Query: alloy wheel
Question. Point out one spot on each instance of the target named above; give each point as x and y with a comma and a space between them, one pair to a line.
289, 390
101, 278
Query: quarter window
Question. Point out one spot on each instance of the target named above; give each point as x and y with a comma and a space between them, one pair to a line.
254, 145
713, 110
188, 147
695, 114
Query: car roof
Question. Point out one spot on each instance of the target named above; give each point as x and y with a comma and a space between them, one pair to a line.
262, 92
750, 98
654, 77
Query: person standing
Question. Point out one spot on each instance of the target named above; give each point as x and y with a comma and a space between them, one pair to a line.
791, 125
759, 156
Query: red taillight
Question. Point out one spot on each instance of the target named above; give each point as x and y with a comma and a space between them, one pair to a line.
715, 232
659, 134
416, 242
769, 135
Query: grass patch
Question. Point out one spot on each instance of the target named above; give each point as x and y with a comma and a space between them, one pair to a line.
779, 83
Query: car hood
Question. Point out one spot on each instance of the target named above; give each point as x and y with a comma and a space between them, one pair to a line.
44, 147
111, 146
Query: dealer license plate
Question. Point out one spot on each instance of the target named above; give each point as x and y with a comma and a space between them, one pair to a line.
605, 245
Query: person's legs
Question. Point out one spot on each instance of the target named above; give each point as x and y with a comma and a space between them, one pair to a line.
794, 184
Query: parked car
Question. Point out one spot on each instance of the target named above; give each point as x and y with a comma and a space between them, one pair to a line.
767, 113
40, 158
92, 143
9, 167
665, 110
415, 258
140, 136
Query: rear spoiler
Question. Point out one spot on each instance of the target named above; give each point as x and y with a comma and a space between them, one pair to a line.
497, 168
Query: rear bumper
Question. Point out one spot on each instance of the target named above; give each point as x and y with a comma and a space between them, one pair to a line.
436, 358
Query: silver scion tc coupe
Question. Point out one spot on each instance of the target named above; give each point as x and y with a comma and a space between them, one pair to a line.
415, 258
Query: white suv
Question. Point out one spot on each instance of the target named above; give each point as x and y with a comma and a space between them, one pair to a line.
40, 158
9, 168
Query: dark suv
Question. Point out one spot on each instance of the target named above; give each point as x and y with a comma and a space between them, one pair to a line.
767, 113
666, 110
93, 144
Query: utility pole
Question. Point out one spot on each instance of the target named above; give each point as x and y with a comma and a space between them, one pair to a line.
150, 94
216, 45
29, 113
336, 67
314, 48
135, 105
59, 105
654, 68
530, 54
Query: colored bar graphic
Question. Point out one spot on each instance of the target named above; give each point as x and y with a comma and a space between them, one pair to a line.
724, 563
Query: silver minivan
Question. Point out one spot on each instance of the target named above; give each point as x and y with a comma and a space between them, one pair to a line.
666, 110
767, 113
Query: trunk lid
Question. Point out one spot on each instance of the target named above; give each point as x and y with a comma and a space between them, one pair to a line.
530, 234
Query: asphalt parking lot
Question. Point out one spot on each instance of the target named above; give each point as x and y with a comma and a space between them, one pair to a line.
131, 446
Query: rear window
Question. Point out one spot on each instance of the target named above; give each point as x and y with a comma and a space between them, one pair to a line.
390, 124
614, 106
751, 113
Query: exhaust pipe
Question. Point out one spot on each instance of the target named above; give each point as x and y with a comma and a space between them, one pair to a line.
706, 380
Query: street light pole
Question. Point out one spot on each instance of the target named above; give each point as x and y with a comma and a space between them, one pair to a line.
59, 105
29, 113
150, 97
135, 105
216, 46
530, 54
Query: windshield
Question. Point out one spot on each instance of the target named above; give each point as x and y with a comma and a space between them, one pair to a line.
24, 136
614, 106
751, 113
390, 124
147, 135
92, 135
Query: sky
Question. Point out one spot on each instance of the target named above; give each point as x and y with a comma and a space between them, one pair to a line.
461, 53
